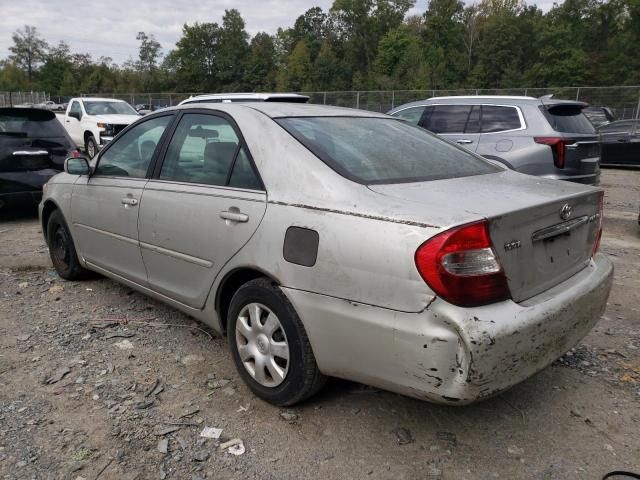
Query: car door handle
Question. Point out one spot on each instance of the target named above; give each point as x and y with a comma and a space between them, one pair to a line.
129, 201
464, 142
30, 152
234, 216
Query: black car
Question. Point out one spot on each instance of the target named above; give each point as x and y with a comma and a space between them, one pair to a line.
599, 116
33, 147
620, 143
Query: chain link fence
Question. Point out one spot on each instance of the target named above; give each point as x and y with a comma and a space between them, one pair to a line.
623, 101
11, 99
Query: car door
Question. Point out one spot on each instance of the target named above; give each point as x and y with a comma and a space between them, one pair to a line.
203, 204
457, 123
500, 126
73, 124
105, 206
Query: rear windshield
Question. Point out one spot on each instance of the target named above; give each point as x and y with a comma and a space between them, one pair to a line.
381, 150
568, 119
30, 123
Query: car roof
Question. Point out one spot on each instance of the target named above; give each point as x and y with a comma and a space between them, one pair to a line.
283, 109
100, 99
246, 96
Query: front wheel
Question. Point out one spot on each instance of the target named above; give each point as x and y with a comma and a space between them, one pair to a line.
91, 146
62, 250
269, 345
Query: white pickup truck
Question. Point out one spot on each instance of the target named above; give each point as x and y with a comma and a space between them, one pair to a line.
93, 122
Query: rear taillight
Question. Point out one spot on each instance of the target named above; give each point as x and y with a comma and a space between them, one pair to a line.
75, 154
558, 147
596, 243
461, 266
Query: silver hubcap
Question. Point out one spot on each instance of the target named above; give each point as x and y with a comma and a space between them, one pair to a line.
262, 345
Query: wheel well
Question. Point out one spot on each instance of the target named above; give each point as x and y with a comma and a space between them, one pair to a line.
229, 286
87, 134
48, 208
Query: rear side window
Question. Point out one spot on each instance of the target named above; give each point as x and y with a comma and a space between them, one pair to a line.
29, 123
411, 115
567, 119
383, 150
499, 119
448, 118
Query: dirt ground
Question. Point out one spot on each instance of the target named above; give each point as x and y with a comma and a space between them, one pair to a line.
85, 396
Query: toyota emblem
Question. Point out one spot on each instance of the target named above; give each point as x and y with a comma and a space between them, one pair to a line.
565, 211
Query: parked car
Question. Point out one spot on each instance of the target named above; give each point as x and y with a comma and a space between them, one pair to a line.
539, 136
144, 108
246, 97
599, 116
33, 146
93, 122
620, 143
51, 105
351, 244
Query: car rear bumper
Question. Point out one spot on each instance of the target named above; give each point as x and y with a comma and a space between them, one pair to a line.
448, 354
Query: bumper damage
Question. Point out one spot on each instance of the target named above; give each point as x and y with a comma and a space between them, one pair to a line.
448, 354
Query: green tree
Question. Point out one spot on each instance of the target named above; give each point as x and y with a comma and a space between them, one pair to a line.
148, 53
297, 75
260, 70
194, 60
28, 49
232, 51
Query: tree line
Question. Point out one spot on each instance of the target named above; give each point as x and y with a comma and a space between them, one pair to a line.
359, 45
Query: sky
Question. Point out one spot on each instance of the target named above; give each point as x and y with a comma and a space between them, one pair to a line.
109, 28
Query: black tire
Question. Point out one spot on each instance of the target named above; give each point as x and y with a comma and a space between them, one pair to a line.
303, 378
62, 250
91, 146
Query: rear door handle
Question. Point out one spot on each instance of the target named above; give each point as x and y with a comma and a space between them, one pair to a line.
234, 216
464, 142
30, 152
129, 201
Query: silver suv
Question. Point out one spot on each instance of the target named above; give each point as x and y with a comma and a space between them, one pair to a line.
538, 136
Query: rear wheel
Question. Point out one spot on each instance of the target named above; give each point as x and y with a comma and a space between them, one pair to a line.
91, 146
269, 345
62, 250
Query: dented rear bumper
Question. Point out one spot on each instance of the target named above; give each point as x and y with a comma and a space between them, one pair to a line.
448, 354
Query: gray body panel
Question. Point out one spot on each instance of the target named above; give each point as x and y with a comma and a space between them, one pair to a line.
516, 148
369, 315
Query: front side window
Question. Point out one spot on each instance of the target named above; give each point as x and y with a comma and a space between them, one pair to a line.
411, 115
131, 154
75, 108
448, 118
382, 150
106, 107
203, 150
499, 119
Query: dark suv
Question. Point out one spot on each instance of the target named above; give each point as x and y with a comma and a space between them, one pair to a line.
538, 136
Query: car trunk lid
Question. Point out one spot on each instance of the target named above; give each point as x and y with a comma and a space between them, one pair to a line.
543, 231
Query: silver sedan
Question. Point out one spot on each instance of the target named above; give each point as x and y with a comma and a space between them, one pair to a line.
334, 242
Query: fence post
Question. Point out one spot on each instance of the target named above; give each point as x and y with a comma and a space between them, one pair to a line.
578, 94
638, 107
393, 99
324, 99
358, 99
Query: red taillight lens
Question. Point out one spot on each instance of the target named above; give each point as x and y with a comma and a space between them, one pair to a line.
596, 243
558, 147
75, 153
460, 266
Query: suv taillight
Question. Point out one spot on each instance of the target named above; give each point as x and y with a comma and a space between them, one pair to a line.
596, 243
558, 147
460, 266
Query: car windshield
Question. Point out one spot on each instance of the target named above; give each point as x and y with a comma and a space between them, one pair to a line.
383, 150
29, 123
108, 108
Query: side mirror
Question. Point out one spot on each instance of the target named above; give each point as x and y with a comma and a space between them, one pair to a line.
77, 166
75, 115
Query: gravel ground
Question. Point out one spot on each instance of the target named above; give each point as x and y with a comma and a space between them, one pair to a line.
98, 381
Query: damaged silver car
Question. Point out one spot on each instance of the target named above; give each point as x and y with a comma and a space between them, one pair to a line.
335, 242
